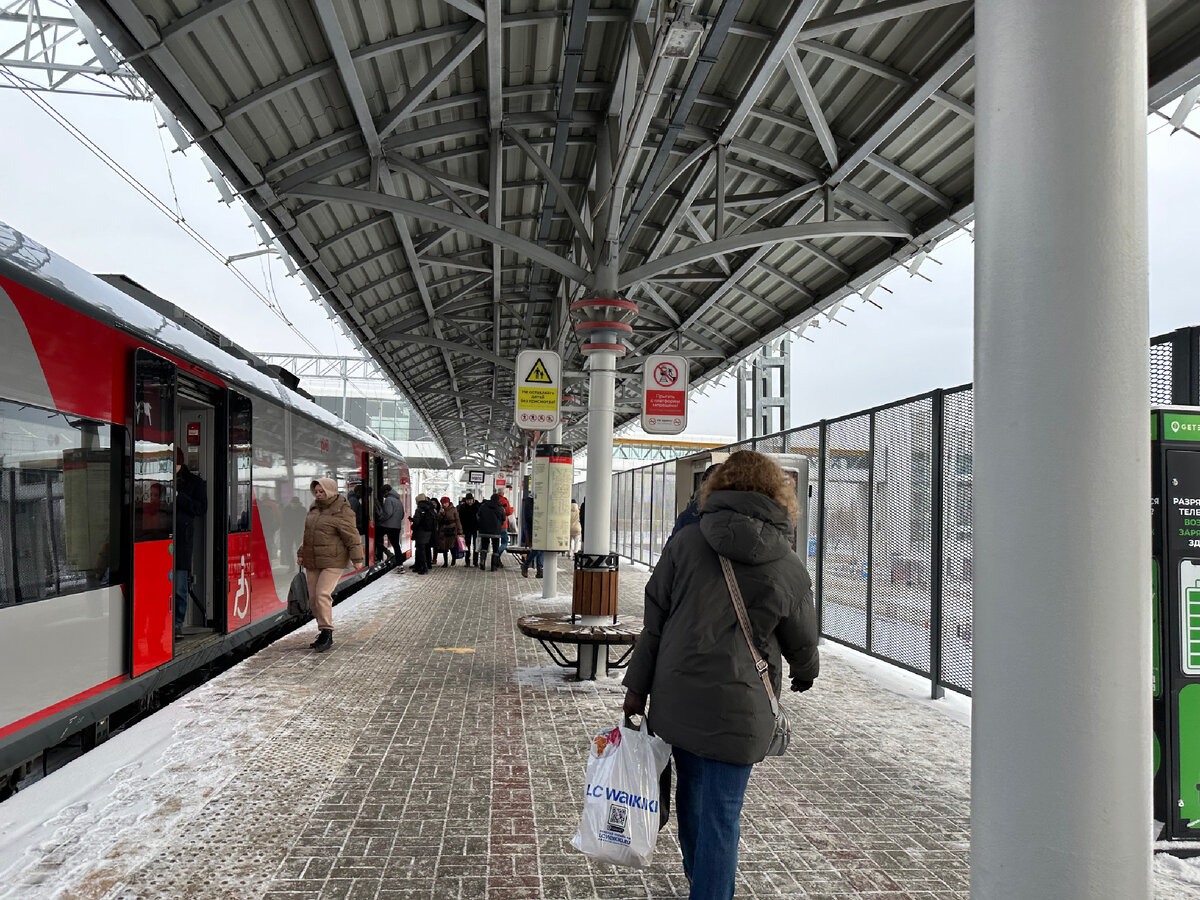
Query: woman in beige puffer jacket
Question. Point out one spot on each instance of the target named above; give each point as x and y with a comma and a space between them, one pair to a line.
331, 542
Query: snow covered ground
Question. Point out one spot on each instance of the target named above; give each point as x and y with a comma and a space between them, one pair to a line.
180, 778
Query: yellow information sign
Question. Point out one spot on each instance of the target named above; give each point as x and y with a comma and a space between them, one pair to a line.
539, 382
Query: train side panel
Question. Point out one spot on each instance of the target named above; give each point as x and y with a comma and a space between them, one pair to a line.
58, 651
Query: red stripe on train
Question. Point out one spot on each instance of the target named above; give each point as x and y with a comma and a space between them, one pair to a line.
85, 362
46, 713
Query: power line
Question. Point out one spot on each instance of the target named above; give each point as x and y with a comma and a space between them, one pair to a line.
152, 198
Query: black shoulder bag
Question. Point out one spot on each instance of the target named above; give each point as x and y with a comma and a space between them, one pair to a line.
782, 735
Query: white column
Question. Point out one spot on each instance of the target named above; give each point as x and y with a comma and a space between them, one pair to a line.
550, 557
1061, 740
597, 530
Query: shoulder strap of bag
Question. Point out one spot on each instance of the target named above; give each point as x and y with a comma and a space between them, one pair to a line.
760, 664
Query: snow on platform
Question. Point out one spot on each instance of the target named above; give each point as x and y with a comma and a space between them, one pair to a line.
436, 752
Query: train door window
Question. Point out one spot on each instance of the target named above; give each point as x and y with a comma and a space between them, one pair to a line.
153, 510
59, 495
240, 511
199, 517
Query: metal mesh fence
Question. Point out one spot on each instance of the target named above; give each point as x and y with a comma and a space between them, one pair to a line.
957, 596
846, 511
880, 587
902, 533
1161, 359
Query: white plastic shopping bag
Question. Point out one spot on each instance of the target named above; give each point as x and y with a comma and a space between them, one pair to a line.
620, 804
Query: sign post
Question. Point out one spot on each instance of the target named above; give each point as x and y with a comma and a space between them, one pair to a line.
539, 389
664, 394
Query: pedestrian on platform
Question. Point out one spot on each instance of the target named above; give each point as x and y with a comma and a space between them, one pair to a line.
508, 515
390, 514
191, 503
449, 531
424, 528
576, 528
691, 660
491, 522
468, 510
331, 542
534, 557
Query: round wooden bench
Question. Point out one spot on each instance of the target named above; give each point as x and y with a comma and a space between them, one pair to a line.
552, 629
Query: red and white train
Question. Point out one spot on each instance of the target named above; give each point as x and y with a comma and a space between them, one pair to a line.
101, 390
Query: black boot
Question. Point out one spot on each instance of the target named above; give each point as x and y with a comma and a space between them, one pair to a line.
324, 640
496, 562
453, 560
539, 573
479, 561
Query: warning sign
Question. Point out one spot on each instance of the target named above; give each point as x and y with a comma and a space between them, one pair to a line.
539, 383
538, 374
664, 394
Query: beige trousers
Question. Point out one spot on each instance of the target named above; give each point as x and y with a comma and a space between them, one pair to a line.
321, 583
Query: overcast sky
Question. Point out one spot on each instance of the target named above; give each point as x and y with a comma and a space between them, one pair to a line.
59, 193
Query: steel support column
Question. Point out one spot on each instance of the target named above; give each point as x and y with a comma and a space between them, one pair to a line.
1061, 761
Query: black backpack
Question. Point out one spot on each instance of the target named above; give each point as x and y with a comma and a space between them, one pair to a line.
426, 519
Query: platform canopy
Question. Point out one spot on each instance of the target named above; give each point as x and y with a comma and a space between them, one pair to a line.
450, 173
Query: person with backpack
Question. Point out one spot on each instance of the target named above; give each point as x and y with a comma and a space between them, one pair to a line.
468, 511
424, 527
491, 521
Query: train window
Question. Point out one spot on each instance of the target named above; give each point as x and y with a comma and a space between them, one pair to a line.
56, 503
240, 456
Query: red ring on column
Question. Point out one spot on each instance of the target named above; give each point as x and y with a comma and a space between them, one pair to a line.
605, 326
611, 302
619, 349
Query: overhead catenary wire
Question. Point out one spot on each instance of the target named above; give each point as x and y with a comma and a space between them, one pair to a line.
147, 194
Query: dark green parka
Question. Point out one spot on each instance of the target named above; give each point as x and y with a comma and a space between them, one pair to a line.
691, 658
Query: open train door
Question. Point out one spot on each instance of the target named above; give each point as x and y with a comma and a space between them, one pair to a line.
151, 617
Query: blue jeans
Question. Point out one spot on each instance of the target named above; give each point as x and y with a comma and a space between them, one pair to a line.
179, 580
708, 805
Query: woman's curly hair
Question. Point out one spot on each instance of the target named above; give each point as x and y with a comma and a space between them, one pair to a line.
747, 470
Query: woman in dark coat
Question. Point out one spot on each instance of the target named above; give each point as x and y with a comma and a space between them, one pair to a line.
390, 515
706, 699
424, 528
449, 531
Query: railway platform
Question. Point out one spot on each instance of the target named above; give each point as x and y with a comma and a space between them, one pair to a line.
437, 753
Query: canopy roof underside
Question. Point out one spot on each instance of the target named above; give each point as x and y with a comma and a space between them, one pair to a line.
443, 170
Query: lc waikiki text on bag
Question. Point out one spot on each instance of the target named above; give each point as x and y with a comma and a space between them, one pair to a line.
620, 818
298, 595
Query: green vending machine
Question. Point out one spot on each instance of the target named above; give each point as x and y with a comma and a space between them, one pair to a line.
1175, 468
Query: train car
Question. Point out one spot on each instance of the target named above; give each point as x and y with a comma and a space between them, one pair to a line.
105, 392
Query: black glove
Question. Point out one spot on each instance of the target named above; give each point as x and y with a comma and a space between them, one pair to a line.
635, 704
800, 685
